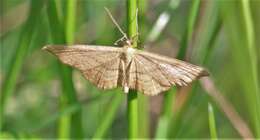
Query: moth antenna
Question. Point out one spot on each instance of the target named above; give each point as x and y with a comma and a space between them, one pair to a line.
137, 20
114, 21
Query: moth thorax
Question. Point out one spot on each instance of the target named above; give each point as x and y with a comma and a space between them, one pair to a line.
129, 53
128, 42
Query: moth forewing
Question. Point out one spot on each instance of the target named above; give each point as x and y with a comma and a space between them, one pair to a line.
109, 67
162, 72
197, 70
98, 64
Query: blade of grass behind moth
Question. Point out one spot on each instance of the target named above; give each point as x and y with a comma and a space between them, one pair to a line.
187, 36
58, 36
166, 112
212, 122
250, 41
132, 97
161, 22
17, 60
110, 116
209, 29
68, 95
169, 97
239, 124
76, 119
143, 101
208, 39
255, 15
244, 55
71, 109
204, 43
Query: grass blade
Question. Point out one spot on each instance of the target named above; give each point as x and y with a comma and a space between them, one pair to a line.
168, 99
230, 112
143, 101
244, 51
76, 118
17, 60
169, 96
110, 115
132, 100
70, 124
250, 41
166, 114
203, 39
212, 122
187, 36
132, 114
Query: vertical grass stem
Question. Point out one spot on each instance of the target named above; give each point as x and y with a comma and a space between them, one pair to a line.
212, 122
132, 100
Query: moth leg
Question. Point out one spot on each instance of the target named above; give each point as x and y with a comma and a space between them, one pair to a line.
126, 89
123, 76
120, 40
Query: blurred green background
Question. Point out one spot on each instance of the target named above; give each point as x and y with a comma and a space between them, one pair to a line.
41, 98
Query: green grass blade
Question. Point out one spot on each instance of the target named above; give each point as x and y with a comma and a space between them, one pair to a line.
187, 36
76, 119
166, 114
132, 114
55, 23
17, 60
70, 21
212, 122
58, 36
70, 125
132, 100
250, 41
143, 101
237, 19
203, 44
168, 99
108, 119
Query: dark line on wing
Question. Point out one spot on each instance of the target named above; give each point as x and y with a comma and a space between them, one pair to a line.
148, 73
160, 69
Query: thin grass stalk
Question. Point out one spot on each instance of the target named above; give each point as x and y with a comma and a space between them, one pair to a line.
132, 97
71, 109
166, 116
203, 45
108, 119
143, 101
70, 125
76, 118
238, 123
187, 37
206, 42
169, 96
244, 56
58, 37
209, 29
250, 41
70, 21
212, 122
17, 60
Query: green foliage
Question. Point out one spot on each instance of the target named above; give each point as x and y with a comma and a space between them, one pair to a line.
212, 123
41, 98
132, 100
19, 56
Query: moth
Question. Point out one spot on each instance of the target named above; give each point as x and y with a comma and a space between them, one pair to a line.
109, 67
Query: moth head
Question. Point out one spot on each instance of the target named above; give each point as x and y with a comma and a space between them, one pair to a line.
125, 42
129, 42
